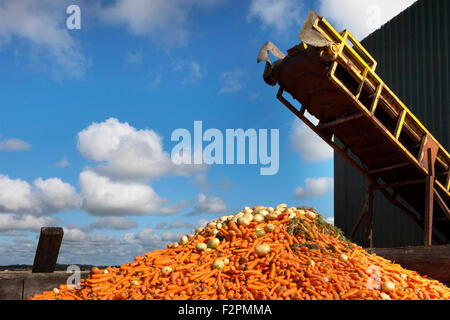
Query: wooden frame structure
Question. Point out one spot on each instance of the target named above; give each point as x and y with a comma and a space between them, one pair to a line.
334, 79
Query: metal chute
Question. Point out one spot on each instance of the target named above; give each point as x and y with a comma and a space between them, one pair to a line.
309, 34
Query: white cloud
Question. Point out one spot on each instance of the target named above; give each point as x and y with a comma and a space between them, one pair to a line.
155, 82
42, 25
372, 14
15, 195
178, 224
129, 153
44, 197
205, 204
135, 57
200, 181
55, 195
166, 21
314, 187
9, 221
176, 208
103, 196
308, 144
330, 220
232, 81
13, 144
280, 15
150, 240
191, 70
114, 223
62, 163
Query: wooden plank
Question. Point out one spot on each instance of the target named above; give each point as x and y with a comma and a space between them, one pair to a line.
340, 121
369, 218
431, 261
48, 249
394, 167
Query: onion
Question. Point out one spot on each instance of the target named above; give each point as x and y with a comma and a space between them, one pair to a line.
218, 264
213, 232
263, 212
219, 225
201, 246
56, 291
175, 245
213, 243
248, 216
134, 282
105, 271
184, 240
165, 271
242, 221
272, 216
198, 230
260, 233
239, 214
269, 227
404, 276
262, 250
226, 261
258, 218
343, 257
388, 286
385, 296
190, 236
270, 209
311, 215
311, 263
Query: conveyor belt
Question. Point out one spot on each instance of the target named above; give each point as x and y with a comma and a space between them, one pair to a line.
333, 77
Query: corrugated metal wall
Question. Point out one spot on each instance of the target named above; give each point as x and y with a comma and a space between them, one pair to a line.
412, 51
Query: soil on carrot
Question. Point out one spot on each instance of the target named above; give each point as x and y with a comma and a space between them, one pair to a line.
261, 253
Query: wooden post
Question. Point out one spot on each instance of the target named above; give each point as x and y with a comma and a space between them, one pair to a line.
369, 218
429, 201
47, 250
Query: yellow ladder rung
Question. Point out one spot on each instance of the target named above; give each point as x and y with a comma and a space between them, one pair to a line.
400, 122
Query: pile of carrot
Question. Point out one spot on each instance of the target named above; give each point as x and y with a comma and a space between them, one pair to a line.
260, 253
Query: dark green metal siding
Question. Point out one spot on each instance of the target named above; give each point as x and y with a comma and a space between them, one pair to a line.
412, 51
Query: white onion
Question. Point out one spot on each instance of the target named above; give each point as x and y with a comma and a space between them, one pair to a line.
213, 243
218, 264
262, 250
166, 271
343, 257
388, 286
260, 233
258, 218
201, 246
242, 221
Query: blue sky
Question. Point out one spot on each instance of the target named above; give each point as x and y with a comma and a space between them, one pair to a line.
87, 116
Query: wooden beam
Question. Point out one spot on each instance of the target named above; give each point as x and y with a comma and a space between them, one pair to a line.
429, 200
442, 204
398, 184
369, 218
340, 121
394, 167
432, 261
47, 250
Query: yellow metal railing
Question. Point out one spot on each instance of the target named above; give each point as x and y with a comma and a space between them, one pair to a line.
346, 51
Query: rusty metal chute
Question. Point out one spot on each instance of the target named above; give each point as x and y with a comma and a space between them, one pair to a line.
334, 79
